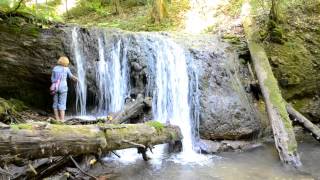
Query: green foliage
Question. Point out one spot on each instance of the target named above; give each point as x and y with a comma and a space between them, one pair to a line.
21, 126
234, 7
85, 7
134, 17
135, 14
17, 105
38, 12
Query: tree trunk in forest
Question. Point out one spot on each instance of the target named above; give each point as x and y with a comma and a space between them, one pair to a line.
159, 11
39, 140
315, 130
276, 107
116, 5
275, 11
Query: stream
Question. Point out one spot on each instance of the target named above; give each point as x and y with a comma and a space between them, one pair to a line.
172, 82
259, 163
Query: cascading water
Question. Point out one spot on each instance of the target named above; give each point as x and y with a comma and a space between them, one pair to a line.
112, 76
81, 74
103, 96
175, 98
172, 83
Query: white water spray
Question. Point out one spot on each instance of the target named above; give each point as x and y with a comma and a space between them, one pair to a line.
173, 92
81, 74
112, 76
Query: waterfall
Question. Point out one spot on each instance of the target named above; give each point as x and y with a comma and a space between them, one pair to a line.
103, 97
81, 89
111, 76
172, 82
172, 91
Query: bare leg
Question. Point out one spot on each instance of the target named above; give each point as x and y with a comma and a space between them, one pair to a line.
62, 112
56, 114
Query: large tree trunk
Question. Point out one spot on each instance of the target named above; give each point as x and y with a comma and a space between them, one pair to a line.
276, 107
303, 121
116, 6
34, 141
275, 11
159, 10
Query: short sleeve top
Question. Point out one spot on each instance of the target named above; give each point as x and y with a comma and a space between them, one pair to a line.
63, 73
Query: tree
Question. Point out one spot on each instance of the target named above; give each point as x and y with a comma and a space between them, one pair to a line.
159, 10
275, 11
116, 4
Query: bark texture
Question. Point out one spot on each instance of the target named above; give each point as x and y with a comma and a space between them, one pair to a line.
34, 141
315, 130
131, 110
276, 107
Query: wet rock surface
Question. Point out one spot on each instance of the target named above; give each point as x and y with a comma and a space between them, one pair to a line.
211, 147
226, 110
27, 55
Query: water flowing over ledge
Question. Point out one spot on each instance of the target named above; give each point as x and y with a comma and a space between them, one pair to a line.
172, 82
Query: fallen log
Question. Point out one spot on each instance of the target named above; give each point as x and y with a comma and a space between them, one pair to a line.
131, 110
303, 121
39, 140
276, 107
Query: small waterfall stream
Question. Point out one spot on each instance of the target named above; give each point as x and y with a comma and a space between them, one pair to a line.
112, 76
172, 83
81, 74
171, 93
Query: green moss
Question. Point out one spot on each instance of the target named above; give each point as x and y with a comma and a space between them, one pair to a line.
4, 106
274, 93
53, 121
157, 125
21, 126
295, 67
62, 129
233, 39
18, 105
276, 35
277, 100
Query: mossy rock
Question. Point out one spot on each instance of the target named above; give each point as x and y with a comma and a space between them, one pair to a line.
276, 35
9, 110
17, 105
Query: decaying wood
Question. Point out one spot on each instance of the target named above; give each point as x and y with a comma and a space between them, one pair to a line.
131, 110
80, 169
315, 130
276, 107
39, 140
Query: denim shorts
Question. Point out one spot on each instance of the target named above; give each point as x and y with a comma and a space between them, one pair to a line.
60, 101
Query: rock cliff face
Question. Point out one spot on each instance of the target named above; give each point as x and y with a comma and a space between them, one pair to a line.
28, 55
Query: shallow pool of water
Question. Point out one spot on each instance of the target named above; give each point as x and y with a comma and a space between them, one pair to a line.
259, 163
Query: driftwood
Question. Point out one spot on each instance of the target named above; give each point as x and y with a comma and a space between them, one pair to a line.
131, 110
303, 121
40, 140
276, 107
